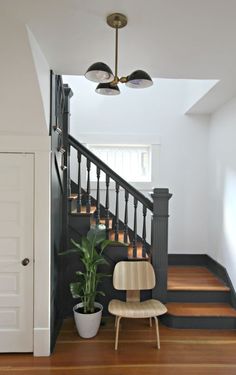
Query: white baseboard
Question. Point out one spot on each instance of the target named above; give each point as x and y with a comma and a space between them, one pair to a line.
41, 342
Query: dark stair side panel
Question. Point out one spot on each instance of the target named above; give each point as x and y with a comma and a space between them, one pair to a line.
198, 296
201, 322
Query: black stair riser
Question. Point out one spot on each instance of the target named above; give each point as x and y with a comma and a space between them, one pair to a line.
198, 296
208, 322
80, 224
187, 260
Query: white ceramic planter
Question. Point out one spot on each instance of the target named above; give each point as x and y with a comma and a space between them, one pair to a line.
87, 324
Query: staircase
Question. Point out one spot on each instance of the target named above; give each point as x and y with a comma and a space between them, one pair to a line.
200, 296
81, 210
196, 295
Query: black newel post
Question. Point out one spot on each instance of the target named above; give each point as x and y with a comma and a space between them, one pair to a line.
160, 241
66, 174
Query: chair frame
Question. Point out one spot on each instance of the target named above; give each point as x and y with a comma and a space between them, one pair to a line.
134, 296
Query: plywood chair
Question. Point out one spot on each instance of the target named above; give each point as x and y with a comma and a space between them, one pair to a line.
134, 276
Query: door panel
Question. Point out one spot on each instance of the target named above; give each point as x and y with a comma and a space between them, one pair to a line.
16, 243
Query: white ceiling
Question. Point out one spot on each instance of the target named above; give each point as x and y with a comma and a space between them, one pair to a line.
168, 38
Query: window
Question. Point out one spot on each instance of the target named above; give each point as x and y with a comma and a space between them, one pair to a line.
132, 162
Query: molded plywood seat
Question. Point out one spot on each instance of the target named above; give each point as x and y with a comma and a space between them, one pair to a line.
145, 309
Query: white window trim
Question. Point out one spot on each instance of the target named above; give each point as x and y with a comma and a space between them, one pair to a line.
125, 147
151, 139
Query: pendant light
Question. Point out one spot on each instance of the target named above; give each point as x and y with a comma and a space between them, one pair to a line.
100, 72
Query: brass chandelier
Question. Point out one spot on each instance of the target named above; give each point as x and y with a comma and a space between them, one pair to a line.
101, 73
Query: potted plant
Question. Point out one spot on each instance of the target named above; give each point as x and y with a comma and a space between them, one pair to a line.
88, 312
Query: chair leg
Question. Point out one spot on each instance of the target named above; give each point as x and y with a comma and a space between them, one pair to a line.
117, 331
157, 331
150, 322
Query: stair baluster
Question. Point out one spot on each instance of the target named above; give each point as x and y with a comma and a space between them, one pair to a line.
79, 198
107, 214
144, 232
98, 196
88, 196
159, 209
117, 213
126, 229
135, 228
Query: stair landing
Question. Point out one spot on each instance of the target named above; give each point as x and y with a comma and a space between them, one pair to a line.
195, 278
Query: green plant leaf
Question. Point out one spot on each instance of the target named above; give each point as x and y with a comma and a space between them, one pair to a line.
86, 244
99, 261
76, 289
101, 293
77, 245
97, 234
101, 275
81, 275
70, 251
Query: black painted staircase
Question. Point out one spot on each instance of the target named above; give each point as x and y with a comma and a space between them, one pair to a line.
196, 296
190, 304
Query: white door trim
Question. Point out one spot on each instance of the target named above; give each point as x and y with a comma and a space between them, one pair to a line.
41, 148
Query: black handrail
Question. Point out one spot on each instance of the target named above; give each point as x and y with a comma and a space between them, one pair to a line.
113, 175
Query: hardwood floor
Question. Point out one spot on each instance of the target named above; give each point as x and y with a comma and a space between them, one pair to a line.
187, 352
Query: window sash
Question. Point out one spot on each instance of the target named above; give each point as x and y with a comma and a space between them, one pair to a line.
132, 162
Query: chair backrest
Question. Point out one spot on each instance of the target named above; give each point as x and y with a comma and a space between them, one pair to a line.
134, 275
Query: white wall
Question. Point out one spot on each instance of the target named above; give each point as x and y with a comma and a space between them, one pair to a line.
21, 106
222, 187
155, 116
24, 128
43, 74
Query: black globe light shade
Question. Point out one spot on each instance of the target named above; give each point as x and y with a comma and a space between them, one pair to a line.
99, 72
139, 80
107, 89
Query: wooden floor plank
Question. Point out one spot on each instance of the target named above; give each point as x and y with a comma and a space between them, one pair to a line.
194, 278
189, 352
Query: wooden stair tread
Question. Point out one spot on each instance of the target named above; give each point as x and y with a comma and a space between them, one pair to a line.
195, 278
139, 252
120, 236
83, 211
73, 196
201, 309
102, 221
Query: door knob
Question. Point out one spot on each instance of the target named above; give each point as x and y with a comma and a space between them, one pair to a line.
25, 261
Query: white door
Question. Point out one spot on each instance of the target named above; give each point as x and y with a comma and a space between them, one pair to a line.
16, 252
